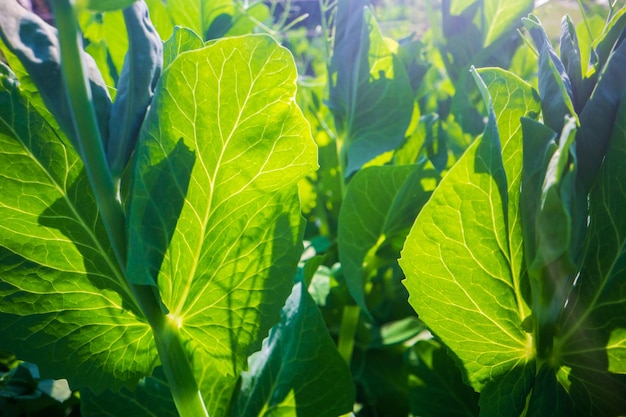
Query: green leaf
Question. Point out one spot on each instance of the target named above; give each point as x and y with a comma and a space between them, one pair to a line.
370, 93
508, 395
66, 305
512, 99
592, 341
599, 116
503, 16
36, 44
570, 56
103, 5
215, 216
138, 79
549, 397
182, 40
298, 371
150, 398
457, 260
555, 87
436, 387
380, 206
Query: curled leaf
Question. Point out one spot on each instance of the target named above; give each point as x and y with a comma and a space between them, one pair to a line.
36, 44
140, 73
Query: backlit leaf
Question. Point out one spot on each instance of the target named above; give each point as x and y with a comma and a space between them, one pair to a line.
66, 304
215, 216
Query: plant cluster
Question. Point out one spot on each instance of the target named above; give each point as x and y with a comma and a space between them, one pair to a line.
193, 223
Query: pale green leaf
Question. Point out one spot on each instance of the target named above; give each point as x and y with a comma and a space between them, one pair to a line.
502, 16
215, 214
457, 261
182, 40
66, 304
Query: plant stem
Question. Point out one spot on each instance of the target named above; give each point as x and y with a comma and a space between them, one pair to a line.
90, 144
349, 322
170, 347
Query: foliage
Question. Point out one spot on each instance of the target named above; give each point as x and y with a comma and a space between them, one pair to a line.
171, 246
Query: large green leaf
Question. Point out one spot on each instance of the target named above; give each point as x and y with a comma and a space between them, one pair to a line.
299, 370
370, 94
457, 260
380, 206
215, 215
66, 304
593, 340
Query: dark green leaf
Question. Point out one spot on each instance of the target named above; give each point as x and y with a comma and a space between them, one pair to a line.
380, 205
436, 387
599, 116
298, 371
370, 95
593, 340
150, 398
36, 44
555, 87
140, 73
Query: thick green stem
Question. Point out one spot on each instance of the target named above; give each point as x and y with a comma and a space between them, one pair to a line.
90, 144
174, 359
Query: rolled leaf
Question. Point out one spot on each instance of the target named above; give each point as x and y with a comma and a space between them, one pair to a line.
36, 44
140, 73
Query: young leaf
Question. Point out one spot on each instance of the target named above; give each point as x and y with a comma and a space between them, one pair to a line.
298, 371
215, 217
512, 99
182, 40
140, 73
599, 116
367, 78
66, 305
380, 205
555, 87
570, 56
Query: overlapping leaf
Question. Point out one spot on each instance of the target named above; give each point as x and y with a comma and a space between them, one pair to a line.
457, 258
380, 205
298, 371
594, 341
215, 213
65, 304
371, 96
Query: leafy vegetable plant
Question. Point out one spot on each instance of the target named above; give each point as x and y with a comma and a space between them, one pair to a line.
525, 289
151, 242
